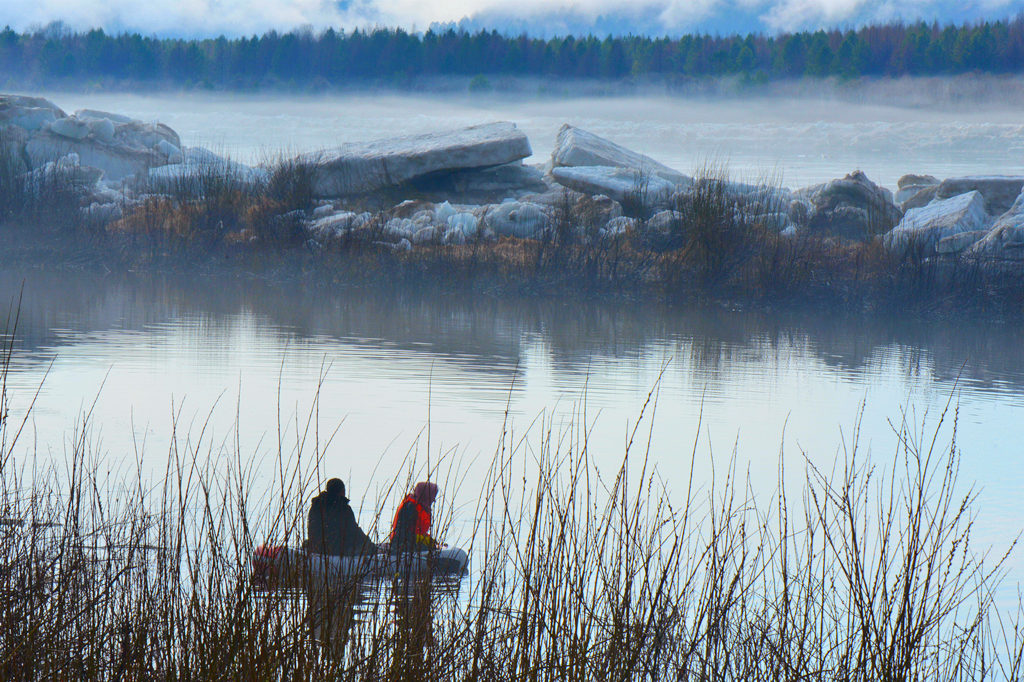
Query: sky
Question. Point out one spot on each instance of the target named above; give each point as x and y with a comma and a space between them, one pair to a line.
192, 18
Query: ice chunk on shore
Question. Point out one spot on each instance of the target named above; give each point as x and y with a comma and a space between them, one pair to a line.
323, 211
426, 235
922, 228
621, 184
116, 161
172, 153
852, 207
466, 223
577, 147
619, 226
517, 219
102, 213
102, 128
199, 163
1006, 238
333, 225
359, 168
911, 184
68, 169
454, 236
30, 113
400, 228
443, 212
70, 127
959, 242
119, 149
96, 115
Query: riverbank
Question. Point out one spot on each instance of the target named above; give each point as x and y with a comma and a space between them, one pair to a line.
460, 211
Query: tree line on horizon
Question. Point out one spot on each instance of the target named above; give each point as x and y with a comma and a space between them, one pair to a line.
304, 58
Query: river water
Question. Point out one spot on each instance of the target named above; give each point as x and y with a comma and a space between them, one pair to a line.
139, 351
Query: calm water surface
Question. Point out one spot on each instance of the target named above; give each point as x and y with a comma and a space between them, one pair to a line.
137, 350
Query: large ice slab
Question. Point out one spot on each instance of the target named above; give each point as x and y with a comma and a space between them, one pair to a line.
30, 113
358, 168
117, 145
577, 147
852, 207
621, 184
117, 162
922, 228
1006, 238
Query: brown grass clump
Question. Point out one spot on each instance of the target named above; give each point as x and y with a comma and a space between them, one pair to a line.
238, 220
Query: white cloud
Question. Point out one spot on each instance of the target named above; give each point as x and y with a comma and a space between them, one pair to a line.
184, 17
235, 17
688, 12
795, 14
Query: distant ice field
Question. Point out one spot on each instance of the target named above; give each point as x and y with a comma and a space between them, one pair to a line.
795, 141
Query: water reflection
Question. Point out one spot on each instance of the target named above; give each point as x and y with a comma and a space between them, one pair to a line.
487, 334
344, 613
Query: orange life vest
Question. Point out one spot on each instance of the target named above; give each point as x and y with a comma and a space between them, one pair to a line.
422, 526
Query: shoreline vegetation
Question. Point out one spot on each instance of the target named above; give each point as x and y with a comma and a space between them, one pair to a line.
460, 211
384, 56
579, 574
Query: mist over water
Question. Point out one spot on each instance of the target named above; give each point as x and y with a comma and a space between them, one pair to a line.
794, 138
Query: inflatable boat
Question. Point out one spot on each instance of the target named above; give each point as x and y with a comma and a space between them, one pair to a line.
288, 567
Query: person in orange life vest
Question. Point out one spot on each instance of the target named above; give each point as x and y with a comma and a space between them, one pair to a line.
411, 528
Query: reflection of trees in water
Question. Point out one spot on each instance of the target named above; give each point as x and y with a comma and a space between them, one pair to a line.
490, 334
983, 354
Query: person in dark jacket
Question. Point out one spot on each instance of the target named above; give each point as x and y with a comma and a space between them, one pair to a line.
332, 527
410, 530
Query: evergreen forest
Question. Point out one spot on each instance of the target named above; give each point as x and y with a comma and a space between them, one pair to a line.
335, 58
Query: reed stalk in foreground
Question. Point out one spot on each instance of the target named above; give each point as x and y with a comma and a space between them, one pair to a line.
577, 573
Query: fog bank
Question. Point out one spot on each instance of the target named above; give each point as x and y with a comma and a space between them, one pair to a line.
798, 133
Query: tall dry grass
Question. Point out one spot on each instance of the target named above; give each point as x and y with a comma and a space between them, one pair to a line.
216, 204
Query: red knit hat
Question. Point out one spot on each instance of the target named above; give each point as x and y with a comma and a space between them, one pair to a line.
425, 493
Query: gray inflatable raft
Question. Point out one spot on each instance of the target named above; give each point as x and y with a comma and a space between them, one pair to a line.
284, 567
